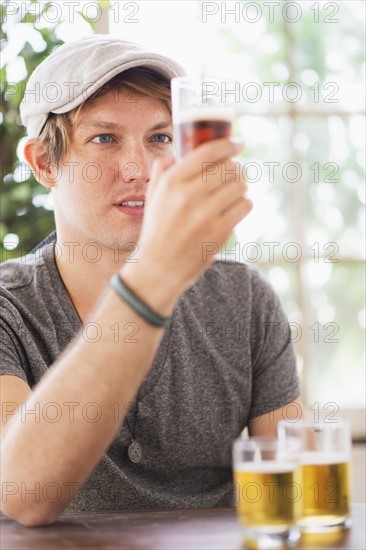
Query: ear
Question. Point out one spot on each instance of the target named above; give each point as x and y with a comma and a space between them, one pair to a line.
36, 155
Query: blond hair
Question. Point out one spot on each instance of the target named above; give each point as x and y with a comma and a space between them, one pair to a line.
57, 131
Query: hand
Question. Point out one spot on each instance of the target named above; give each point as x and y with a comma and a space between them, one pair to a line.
198, 200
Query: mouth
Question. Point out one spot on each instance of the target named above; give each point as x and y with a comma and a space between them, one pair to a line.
132, 207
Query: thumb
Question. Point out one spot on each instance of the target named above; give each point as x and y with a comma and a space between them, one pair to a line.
160, 165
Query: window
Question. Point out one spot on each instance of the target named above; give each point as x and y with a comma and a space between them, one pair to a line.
300, 67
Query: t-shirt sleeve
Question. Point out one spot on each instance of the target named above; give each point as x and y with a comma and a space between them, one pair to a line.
275, 380
10, 351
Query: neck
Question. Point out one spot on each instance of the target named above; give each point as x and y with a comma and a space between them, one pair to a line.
85, 268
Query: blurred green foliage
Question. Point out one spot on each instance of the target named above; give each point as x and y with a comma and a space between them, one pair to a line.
19, 215
22, 210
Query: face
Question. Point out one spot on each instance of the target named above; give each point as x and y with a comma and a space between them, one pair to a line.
100, 192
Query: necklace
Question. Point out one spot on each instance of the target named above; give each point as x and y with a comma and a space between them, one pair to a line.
134, 449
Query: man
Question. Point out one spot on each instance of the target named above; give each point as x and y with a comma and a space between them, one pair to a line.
131, 360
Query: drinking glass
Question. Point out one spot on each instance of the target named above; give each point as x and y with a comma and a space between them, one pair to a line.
325, 473
267, 491
203, 108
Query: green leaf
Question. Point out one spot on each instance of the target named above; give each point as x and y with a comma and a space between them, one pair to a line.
34, 223
104, 4
46, 6
29, 18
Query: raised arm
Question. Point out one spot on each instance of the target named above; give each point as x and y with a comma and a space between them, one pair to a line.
36, 452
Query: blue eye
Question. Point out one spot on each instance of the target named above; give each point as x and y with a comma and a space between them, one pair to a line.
165, 138
103, 138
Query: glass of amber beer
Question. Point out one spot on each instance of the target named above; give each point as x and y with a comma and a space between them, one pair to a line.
325, 472
267, 491
203, 109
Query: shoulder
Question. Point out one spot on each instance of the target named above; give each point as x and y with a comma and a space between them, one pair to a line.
237, 276
21, 272
231, 289
18, 273
242, 288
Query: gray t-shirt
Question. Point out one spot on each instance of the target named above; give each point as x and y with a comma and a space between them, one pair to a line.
225, 358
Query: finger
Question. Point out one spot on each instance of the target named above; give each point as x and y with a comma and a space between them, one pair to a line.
233, 215
234, 204
160, 165
207, 154
237, 168
224, 195
225, 173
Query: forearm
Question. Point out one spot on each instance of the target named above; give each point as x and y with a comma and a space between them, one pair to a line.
109, 373
106, 373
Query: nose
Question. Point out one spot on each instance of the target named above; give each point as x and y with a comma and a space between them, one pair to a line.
135, 166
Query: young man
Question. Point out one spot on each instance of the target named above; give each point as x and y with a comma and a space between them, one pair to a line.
131, 359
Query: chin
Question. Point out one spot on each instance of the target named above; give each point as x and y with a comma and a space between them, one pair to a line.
125, 239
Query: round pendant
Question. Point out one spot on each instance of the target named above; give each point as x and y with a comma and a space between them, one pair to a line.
135, 452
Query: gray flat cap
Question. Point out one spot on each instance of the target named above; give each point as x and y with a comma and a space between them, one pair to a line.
74, 71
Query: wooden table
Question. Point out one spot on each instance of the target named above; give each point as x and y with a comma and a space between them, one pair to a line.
158, 530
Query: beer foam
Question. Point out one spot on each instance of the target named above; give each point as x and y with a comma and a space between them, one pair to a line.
265, 467
211, 113
321, 458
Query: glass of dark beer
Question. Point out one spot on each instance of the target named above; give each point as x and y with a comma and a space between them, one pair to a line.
203, 109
